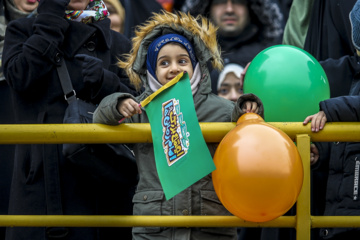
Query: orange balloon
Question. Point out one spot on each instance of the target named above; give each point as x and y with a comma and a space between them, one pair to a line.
259, 172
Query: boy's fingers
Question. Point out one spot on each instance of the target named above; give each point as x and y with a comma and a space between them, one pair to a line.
254, 107
322, 123
307, 120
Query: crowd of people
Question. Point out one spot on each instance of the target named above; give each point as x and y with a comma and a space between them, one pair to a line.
117, 53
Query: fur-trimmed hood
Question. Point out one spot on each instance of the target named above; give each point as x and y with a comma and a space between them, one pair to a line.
199, 31
267, 13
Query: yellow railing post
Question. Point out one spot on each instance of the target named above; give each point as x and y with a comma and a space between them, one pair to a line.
303, 223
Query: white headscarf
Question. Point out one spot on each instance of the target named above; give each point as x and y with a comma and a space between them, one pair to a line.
229, 68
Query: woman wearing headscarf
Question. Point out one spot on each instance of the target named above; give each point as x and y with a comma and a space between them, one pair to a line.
9, 10
78, 34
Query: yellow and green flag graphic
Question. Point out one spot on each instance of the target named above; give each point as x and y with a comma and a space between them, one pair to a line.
181, 154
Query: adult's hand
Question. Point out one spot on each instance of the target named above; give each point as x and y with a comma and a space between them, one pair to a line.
92, 68
54, 7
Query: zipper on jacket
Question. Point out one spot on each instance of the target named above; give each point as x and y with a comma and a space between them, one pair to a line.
356, 179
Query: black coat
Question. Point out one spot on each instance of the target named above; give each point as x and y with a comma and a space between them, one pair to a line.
341, 158
329, 33
341, 73
44, 182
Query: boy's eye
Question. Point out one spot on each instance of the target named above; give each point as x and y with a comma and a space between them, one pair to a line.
183, 61
164, 63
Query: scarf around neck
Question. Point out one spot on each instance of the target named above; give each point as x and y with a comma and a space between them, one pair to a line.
194, 81
95, 11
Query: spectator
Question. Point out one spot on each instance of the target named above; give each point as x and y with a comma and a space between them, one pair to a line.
117, 15
228, 84
322, 27
44, 181
246, 27
9, 10
167, 45
341, 189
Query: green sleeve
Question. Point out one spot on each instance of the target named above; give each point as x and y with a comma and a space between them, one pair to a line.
298, 23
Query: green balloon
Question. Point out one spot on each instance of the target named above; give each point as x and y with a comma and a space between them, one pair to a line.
289, 81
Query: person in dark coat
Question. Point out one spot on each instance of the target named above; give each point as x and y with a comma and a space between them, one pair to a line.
322, 28
246, 27
44, 182
9, 10
341, 159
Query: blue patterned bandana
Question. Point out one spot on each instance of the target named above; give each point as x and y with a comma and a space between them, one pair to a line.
158, 43
95, 11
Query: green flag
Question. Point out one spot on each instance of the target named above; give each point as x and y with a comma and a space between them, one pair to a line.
181, 154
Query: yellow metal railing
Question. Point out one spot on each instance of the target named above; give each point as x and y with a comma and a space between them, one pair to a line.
213, 132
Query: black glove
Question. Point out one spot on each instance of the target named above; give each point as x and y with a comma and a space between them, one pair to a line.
92, 68
54, 7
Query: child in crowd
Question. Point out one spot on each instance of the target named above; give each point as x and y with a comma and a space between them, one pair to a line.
228, 84
342, 159
166, 45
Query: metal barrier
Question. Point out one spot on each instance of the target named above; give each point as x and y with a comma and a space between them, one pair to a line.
303, 221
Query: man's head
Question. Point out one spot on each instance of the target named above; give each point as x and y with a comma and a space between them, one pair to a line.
231, 16
355, 26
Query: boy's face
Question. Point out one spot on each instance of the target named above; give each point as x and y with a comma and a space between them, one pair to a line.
172, 60
230, 87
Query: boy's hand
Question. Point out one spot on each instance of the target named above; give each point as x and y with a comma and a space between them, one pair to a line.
250, 106
314, 154
318, 121
128, 107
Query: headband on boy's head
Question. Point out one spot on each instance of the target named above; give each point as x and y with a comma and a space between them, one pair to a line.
158, 43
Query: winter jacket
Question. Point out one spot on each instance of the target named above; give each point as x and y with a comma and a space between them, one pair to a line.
342, 73
200, 198
44, 182
342, 159
8, 12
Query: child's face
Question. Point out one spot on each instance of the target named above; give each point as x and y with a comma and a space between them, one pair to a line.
172, 60
230, 87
